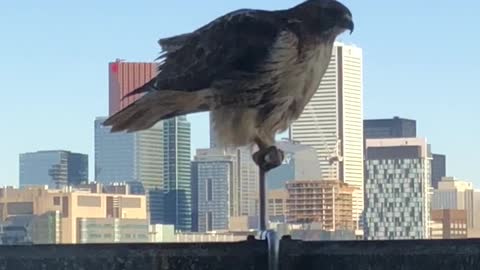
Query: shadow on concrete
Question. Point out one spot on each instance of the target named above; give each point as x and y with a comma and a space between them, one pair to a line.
381, 255
250, 254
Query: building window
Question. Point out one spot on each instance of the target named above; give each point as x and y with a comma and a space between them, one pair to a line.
209, 189
209, 221
56, 200
89, 201
65, 207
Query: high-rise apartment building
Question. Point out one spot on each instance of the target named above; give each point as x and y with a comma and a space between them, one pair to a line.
124, 77
53, 168
129, 157
177, 173
397, 189
390, 128
327, 203
332, 122
213, 171
403, 128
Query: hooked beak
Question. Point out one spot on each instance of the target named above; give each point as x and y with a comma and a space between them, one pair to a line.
347, 23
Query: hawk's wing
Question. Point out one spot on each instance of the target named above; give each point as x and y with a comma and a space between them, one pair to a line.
235, 43
171, 44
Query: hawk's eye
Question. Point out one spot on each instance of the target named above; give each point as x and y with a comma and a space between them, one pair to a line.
336, 12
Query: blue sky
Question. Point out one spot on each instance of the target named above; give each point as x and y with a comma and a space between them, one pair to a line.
421, 62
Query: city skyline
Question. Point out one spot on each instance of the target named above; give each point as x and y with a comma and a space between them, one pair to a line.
107, 35
332, 122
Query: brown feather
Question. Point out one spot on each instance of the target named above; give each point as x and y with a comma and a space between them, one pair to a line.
156, 106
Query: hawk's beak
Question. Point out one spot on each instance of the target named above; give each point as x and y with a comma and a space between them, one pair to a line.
347, 23
351, 26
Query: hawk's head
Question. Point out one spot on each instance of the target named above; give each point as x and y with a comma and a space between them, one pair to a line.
326, 16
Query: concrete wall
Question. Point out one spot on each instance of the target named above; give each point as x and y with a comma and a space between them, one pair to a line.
251, 255
381, 255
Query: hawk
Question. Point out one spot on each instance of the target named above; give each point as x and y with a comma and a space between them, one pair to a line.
254, 70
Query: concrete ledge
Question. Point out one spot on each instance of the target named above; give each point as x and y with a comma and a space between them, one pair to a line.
250, 254
381, 255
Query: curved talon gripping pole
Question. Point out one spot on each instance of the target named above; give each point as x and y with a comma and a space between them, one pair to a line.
267, 158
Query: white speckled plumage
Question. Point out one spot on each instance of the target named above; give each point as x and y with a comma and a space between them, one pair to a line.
298, 79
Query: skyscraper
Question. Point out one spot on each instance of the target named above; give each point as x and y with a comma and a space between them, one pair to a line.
212, 173
129, 157
77, 168
390, 128
160, 156
403, 128
53, 168
124, 77
439, 169
333, 122
177, 173
246, 186
213, 136
397, 189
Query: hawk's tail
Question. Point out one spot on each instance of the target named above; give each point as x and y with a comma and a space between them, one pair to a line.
148, 87
156, 106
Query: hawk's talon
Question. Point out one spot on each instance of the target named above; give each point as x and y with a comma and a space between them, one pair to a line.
268, 158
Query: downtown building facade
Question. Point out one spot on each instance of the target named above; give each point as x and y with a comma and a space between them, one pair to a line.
143, 157
177, 173
73, 216
158, 158
224, 186
123, 78
129, 157
245, 184
277, 205
439, 169
397, 189
213, 171
332, 122
395, 127
455, 194
448, 224
244, 187
55, 169
328, 204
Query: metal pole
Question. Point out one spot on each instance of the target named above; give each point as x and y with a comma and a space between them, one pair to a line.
263, 201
